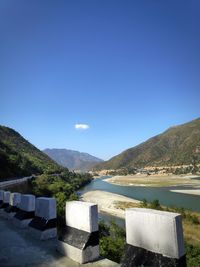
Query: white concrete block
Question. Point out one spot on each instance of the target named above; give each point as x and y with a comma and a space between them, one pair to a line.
27, 203
157, 231
6, 197
45, 208
81, 256
82, 215
43, 235
15, 199
1, 194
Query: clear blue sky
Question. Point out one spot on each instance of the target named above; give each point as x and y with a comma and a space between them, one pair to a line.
128, 69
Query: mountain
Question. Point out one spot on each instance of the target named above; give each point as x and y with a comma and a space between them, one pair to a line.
176, 146
71, 159
20, 158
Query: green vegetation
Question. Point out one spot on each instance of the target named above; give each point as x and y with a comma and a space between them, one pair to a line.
62, 186
155, 204
122, 171
177, 146
193, 255
20, 158
194, 169
112, 241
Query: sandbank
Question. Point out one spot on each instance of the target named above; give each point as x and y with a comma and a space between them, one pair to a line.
153, 180
108, 202
190, 192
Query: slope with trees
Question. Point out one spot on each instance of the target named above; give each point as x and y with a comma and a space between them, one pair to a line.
177, 146
20, 158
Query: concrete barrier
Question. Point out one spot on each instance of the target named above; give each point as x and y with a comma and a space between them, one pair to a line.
79, 240
15, 181
154, 238
15, 199
43, 226
26, 211
1, 197
6, 197
5, 204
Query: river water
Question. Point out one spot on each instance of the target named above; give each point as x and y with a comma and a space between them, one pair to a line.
163, 194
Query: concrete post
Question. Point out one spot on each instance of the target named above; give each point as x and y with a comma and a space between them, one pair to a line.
26, 211
6, 197
154, 238
15, 199
1, 197
5, 204
79, 240
43, 226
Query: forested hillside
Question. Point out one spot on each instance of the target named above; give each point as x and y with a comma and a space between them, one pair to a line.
176, 146
19, 158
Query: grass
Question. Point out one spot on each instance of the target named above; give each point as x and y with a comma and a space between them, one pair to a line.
191, 233
125, 205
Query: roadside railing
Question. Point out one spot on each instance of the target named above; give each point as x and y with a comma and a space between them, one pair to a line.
153, 238
15, 181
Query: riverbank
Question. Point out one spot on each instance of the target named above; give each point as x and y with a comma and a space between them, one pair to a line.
109, 203
190, 192
155, 180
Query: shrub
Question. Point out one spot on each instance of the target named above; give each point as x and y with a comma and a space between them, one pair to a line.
155, 204
112, 241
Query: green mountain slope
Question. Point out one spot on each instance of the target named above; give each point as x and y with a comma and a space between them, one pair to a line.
19, 158
178, 145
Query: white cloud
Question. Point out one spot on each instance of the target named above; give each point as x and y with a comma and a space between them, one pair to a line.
80, 126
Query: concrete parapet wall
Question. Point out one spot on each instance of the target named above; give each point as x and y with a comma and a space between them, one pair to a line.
12, 208
82, 215
15, 199
26, 211
1, 195
45, 207
156, 231
4, 203
6, 197
81, 256
43, 225
27, 203
79, 240
154, 238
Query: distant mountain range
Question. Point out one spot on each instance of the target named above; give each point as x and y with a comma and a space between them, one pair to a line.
176, 146
20, 158
71, 159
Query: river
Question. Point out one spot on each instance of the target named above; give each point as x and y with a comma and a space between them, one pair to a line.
163, 194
